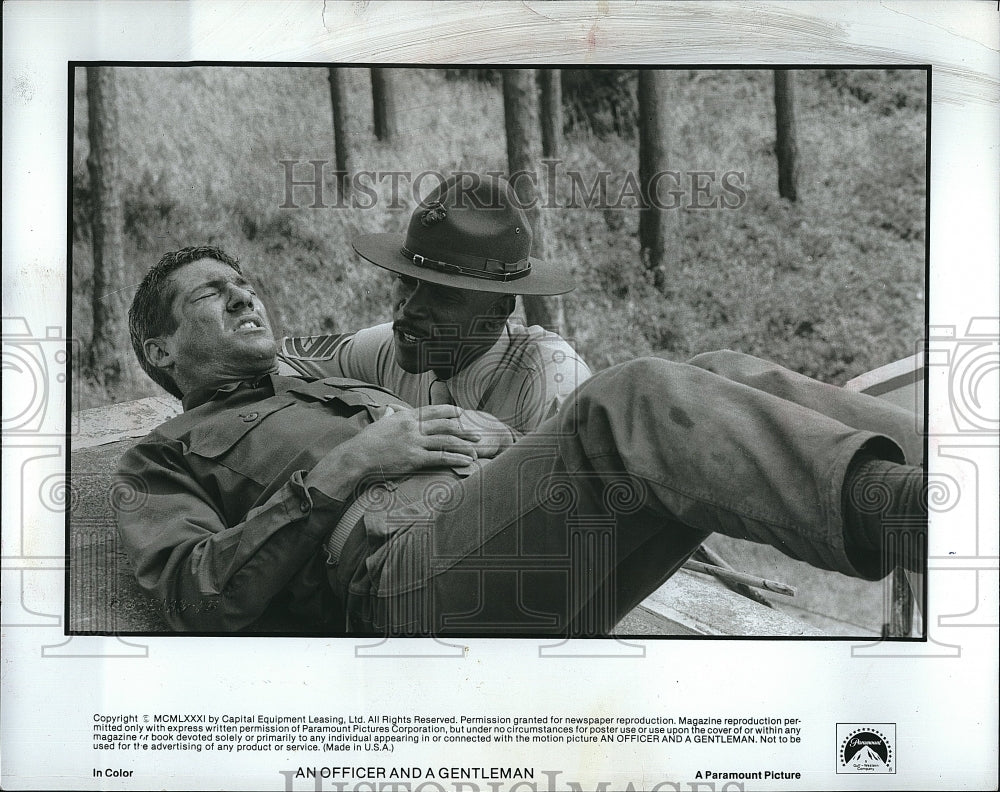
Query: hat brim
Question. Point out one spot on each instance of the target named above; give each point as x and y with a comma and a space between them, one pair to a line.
384, 250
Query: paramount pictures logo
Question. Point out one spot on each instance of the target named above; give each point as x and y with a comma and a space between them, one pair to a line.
865, 748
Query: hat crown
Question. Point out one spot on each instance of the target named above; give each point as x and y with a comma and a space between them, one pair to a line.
473, 222
472, 233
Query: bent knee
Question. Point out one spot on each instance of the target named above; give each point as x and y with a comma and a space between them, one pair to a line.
719, 360
626, 379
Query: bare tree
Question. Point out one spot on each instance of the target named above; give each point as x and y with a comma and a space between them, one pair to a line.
384, 103
786, 148
520, 107
110, 352
551, 113
654, 220
337, 93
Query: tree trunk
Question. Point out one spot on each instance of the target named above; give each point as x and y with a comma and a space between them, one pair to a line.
384, 103
337, 93
655, 221
109, 360
520, 108
550, 85
786, 149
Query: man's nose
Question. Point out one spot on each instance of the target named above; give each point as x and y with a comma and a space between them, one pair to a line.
413, 302
239, 297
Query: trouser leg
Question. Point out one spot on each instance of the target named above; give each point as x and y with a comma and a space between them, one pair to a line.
647, 456
850, 408
530, 547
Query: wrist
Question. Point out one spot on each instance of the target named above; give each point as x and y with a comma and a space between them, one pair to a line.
337, 474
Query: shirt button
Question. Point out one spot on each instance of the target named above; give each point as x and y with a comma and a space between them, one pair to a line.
250, 416
304, 506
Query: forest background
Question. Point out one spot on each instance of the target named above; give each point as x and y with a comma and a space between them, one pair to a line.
830, 284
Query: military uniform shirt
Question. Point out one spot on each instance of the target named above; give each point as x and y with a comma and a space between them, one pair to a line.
521, 380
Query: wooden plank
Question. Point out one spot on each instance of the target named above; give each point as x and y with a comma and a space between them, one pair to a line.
693, 604
122, 421
641, 621
900, 382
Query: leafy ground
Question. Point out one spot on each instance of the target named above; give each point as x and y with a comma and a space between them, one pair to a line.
830, 285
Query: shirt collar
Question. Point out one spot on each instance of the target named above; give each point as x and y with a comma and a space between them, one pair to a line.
470, 384
203, 395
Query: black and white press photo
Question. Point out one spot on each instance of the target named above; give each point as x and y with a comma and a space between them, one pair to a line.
510, 396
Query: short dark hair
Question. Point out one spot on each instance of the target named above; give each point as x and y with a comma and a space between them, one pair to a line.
152, 313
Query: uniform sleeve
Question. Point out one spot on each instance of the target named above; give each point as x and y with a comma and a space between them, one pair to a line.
203, 574
552, 372
362, 355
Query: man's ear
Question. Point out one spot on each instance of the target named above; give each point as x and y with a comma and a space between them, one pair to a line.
157, 351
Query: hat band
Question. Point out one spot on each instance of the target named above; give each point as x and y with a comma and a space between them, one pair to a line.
506, 273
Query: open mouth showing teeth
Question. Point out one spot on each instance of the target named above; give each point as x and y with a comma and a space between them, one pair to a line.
248, 324
407, 338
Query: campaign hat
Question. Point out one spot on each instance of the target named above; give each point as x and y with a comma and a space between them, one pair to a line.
470, 232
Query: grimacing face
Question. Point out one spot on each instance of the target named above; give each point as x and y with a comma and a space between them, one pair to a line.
223, 332
441, 327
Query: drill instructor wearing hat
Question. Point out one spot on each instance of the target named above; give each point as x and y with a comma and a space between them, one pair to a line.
459, 266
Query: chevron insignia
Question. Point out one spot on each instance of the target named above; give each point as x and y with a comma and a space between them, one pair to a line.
319, 347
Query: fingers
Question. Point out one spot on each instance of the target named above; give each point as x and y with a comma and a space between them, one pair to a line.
433, 411
432, 458
445, 443
432, 436
449, 426
448, 459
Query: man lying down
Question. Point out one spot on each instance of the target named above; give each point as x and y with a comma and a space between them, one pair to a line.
331, 506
